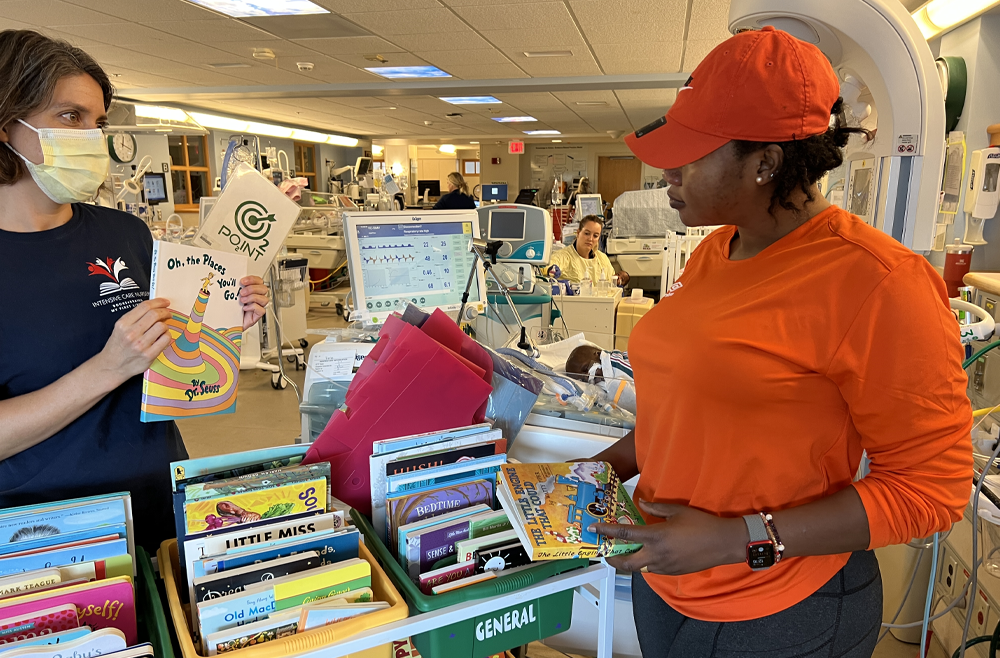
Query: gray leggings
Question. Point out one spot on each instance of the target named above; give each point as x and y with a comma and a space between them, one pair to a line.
842, 620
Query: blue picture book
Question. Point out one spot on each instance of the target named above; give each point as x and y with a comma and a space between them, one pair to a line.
52, 540
63, 557
442, 475
417, 440
41, 522
237, 610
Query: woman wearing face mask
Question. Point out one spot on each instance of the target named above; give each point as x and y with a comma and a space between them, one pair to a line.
71, 355
797, 338
584, 258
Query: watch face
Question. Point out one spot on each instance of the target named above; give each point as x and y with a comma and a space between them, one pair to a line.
760, 554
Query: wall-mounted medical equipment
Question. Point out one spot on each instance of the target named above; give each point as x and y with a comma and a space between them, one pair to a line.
154, 186
133, 185
889, 80
589, 204
395, 258
981, 194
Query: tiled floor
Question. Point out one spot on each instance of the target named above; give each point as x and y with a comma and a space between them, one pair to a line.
269, 417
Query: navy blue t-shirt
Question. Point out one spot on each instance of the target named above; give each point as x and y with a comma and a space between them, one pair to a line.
66, 288
455, 201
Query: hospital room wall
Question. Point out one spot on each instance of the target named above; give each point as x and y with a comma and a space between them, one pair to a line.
978, 41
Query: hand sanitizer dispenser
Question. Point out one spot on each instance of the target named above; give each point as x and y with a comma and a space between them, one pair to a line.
982, 195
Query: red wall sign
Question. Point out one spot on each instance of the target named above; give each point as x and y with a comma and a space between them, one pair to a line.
515, 148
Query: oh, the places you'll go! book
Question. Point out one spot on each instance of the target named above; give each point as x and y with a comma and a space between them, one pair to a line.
552, 507
197, 374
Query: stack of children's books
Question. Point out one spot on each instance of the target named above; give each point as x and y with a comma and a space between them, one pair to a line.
66, 587
434, 501
264, 550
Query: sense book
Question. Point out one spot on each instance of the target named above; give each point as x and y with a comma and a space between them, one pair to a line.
198, 372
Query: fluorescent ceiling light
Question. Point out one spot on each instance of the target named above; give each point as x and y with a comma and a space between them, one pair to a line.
514, 119
939, 15
557, 141
229, 65
162, 113
447, 148
402, 72
471, 100
595, 103
542, 132
473, 142
548, 53
270, 130
248, 8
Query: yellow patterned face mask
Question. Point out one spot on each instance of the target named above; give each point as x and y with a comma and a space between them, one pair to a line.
74, 166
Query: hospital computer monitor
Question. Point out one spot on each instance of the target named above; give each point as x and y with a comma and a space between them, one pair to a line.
494, 192
155, 187
423, 259
589, 204
433, 185
362, 167
506, 225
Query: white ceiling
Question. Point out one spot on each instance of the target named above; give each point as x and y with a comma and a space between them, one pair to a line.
168, 44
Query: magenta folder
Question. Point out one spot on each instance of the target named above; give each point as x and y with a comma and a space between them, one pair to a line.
409, 384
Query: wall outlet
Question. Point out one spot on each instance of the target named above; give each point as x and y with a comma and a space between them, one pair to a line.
980, 614
949, 572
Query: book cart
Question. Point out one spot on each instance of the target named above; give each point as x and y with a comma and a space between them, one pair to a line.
452, 625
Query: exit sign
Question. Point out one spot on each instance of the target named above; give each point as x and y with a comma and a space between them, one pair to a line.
515, 148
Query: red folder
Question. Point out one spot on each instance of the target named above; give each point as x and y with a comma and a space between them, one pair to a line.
409, 384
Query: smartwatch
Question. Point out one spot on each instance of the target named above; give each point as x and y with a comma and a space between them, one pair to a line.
760, 549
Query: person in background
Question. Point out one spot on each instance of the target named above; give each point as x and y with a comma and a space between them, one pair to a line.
797, 338
71, 354
583, 187
458, 196
583, 256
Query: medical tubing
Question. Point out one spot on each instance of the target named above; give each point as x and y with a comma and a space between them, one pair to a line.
951, 606
972, 359
930, 597
971, 643
906, 595
975, 527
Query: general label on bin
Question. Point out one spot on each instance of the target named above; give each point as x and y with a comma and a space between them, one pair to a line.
510, 620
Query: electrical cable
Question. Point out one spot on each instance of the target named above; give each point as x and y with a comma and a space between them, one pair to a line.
930, 596
971, 643
906, 595
972, 359
951, 606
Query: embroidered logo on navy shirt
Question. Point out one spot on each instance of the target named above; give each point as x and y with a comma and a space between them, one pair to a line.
112, 270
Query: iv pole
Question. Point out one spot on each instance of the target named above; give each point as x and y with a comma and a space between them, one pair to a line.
487, 255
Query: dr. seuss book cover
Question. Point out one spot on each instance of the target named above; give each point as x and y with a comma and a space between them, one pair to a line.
552, 506
197, 374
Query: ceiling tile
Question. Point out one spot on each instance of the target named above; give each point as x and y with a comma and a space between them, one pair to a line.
533, 101
695, 51
213, 31
128, 36
350, 46
51, 13
639, 57
660, 20
349, 6
333, 71
473, 3
663, 97
268, 74
141, 11
554, 38
463, 39
709, 10
581, 63
408, 21
709, 29
499, 16
486, 71
448, 58
395, 59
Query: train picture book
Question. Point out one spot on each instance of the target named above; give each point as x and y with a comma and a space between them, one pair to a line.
552, 507
197, 374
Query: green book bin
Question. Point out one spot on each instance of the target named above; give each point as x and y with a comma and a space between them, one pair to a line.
487, 634
151, 618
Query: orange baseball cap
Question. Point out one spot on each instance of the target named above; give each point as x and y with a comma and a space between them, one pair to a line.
759, 86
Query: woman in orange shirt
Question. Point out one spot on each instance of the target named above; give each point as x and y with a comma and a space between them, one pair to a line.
797, 337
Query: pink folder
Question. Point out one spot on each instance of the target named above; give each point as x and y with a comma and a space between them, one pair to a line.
409, 384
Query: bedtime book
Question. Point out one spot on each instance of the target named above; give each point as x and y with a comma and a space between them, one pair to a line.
198, 372
551, 507
435, 502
